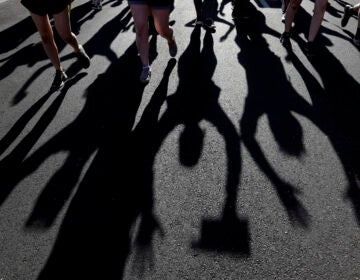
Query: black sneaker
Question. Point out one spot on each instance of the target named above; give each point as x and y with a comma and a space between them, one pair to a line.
172, 48
82, 57
285, 40
310, 50
59, 79
346, 16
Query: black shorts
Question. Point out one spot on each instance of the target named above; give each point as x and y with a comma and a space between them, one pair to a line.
157, 4
45, 7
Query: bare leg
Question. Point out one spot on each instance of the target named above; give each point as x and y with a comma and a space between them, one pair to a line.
293, 7
316, 20
47, 37
161, 21
63, 27
140, 15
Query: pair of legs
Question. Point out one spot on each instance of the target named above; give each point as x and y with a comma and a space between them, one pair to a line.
62, 25
141, 13
316, 20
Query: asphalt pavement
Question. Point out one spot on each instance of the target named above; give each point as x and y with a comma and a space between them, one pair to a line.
239, 159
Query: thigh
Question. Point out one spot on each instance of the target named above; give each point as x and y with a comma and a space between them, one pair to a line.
62, 22
42, 24
140, 14
161, 17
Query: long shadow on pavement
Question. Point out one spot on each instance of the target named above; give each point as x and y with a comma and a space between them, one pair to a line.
196, 99
93, 240
274, 97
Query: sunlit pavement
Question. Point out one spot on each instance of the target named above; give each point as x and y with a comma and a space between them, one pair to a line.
238, 160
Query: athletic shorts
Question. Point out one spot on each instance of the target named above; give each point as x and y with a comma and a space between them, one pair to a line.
45, 7
154, 4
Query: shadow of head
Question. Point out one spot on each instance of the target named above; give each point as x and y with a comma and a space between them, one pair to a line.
191, 144
227, 235
287, 132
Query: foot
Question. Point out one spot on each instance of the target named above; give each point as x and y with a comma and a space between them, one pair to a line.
96, 5
82, 57
285, 40
283, 16
346, 16
59, 79
145, 74
172, 47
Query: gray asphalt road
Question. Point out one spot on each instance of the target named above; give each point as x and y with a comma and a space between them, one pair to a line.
237, 161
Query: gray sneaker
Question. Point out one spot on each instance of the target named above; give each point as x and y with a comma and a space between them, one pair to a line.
145, 74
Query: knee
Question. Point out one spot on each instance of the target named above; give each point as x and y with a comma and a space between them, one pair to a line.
67, 37
320, 8
295, 4
164, 31
47, 37
142, 30
161, 31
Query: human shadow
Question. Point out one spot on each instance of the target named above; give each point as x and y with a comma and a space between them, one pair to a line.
210, 10
95, 236
20, 124
222, 6
189, 105
144, 149
82, 138
275, 98
337, 104
99, 44
301, 26
9, 165
16, 34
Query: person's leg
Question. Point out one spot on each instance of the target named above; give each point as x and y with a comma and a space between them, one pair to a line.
291, 11
63, 27
161, 22
43, 25
317, 18
140, 14
284, 5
